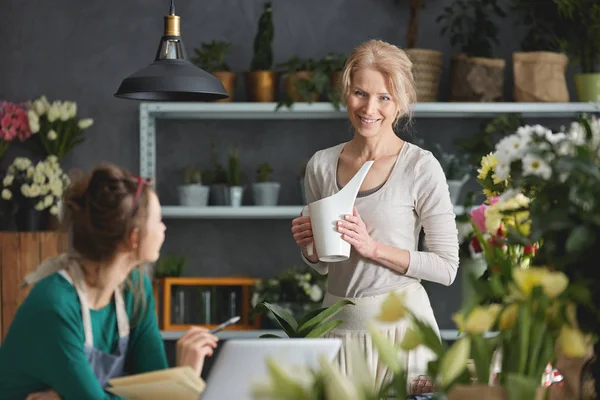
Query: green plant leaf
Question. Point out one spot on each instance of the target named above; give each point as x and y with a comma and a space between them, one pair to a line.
269, 336
322, 316
285, 320
323, 329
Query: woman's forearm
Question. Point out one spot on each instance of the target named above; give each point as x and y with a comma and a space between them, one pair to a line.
391, 257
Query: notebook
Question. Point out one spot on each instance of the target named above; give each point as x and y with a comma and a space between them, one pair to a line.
179, 383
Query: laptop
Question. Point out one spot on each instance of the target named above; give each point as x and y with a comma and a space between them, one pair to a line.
242, 362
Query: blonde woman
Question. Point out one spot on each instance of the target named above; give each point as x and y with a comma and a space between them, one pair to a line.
404, 191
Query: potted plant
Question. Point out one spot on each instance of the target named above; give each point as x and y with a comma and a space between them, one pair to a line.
539, 68
211, 58
582, 39
193, 193
332, 65
297, 290
261, 80
234, 179
427, 63
264, 191
216, 179
172, 266
475, 75
304, 81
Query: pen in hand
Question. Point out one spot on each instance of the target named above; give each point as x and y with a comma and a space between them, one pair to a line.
225, 325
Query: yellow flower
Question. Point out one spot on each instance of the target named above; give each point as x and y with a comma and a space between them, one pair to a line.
411, 339
553, 283
488, 163
508, 318
392, 308
493, 219
454, 362
571, 342
489, 194
480, 319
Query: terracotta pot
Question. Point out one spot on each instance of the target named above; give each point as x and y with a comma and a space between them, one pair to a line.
261, 86
291, 87
477, 79
540, 77
229, 80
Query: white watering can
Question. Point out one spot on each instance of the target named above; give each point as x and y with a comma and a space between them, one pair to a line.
324, 215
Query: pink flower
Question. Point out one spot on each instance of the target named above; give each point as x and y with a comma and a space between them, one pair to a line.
14, 123
478, 216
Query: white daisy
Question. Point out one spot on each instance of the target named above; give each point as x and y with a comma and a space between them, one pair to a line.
534, 165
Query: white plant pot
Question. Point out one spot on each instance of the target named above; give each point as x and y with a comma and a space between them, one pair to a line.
266, 193
195, 195
470, 266
235, 195
455, 187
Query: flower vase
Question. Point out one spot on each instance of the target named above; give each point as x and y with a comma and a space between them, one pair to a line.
470, 266
28, 219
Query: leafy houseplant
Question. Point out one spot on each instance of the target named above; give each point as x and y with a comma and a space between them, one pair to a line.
60, 131
314, 324
476, 76
304, 79
261, 80
211, 58
582, 41
540, 66
169, 266
332, 65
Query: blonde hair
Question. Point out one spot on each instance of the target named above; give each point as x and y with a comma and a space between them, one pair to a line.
393, 63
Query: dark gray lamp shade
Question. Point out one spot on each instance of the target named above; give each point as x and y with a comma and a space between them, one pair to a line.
172, 80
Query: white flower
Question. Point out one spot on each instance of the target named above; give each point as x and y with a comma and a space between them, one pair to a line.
6, 194
48, 200
56, 187
316, 293
39, 106
52, 159
511, 148
502, 170
54, 210
39, 177
34, 121
52, 135
534, 165
68, 110
25, 190
39, 206
22, 163
54, 111
8, 180
85, 123
34, 190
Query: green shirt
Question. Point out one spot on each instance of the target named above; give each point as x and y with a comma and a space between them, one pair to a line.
44, 347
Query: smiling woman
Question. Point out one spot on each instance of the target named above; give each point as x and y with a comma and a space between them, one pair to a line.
404, 191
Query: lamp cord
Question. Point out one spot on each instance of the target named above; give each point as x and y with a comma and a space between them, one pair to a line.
172, 9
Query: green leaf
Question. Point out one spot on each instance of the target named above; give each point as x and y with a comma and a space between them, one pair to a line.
321, 316
285, 320
324, 328
482, 355
580, 238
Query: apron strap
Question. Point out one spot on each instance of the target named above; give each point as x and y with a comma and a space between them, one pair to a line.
121, 311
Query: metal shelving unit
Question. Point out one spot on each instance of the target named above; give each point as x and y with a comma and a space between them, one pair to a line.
151, 111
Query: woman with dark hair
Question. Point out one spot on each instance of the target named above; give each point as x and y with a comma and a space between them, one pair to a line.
90, 316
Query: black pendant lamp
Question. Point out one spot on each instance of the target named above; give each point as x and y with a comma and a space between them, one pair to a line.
171, 77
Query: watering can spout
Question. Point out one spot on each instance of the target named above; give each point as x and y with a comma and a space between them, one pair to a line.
350, 190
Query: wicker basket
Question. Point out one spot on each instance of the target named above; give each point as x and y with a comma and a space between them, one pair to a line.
427, 68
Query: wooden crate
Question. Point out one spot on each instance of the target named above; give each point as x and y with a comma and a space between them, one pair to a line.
20, 254
163, 290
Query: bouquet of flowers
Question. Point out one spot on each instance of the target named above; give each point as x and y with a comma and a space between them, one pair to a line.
38, 186
59, 128
16, 123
